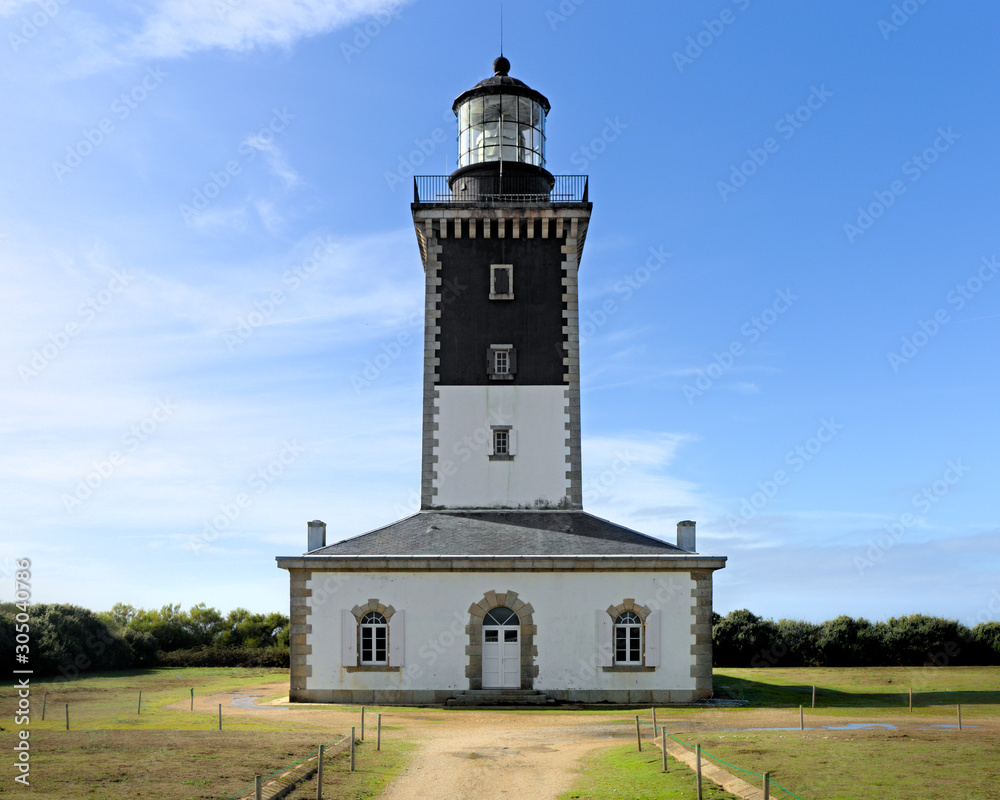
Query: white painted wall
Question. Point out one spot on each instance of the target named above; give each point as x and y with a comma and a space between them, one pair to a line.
436, 606
466, 478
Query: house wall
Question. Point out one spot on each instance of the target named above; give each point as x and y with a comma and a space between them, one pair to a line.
437, 661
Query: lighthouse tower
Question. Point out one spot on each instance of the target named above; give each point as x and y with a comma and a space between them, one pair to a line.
501, 240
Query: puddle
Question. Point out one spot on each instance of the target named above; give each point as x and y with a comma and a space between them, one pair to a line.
539, 748
852, 726
469, 755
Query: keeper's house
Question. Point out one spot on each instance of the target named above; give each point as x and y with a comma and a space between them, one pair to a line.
501, 587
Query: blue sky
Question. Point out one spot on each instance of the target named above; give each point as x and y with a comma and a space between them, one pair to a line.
212, 290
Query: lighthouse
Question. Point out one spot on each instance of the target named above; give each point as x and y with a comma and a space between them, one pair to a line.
500, 240
501, 589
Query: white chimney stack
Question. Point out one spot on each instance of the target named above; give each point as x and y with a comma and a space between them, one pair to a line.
317, 535
685, 536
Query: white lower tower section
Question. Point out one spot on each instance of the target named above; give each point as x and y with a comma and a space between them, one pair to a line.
469, 474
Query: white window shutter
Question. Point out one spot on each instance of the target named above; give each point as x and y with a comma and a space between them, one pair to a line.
489, 442
605, 629
348, 639
396, 639
653, 639
512, 442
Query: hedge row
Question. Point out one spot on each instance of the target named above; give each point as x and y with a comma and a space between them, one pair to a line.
742, 639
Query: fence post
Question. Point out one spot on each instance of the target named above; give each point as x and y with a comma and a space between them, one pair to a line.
319, 774
362, 723
638, 739
45, 698
814, 697
139, 709
767, 786
192, 698
378, 737
697, 762
220, 716
654, 722
67, 716
257, 787
663, 744
960, 716
911, 698
352, 749
802, 719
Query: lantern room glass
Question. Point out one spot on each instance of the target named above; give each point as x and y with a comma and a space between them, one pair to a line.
501, 127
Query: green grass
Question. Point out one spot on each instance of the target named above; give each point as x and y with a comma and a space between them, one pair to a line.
875, 689
626, 773
373, 771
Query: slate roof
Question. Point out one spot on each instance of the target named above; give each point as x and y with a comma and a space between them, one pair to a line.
503, 533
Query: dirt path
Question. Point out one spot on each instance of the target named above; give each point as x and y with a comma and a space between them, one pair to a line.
495, 754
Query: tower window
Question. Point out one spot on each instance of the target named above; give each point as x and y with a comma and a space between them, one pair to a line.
501, 362
628, 639
501, 281
502, 445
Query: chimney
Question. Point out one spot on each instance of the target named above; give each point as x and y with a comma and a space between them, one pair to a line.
317, 535
685, 536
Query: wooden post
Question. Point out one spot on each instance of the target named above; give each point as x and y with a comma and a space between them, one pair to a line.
960, 716
663, 744
352, 749
45, 698
654, 722
139, 708
319, 774
802, 719
257, 788
192, 698
814, 697
220, 716
767, 786
378, 738
67, 716
638, 739
911, 698
362, 723
697, 762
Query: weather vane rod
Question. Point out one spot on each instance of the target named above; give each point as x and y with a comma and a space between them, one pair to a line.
501, 27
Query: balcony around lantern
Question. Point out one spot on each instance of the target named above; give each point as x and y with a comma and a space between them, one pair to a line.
498, 188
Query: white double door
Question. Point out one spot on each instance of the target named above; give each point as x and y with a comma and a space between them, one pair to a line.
501, 656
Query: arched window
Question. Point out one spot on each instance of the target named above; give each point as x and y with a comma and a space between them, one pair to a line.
374, 639
628, 638
501, 616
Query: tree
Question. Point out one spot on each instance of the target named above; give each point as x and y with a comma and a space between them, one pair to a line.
742, 639
847, 642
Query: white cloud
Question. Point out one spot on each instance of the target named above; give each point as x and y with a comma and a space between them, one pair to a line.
179, 27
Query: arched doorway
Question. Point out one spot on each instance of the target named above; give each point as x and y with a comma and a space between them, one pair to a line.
501, 649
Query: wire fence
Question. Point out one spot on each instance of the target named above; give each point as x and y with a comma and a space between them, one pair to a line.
252, 787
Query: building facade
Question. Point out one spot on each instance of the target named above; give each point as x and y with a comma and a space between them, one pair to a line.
501, 584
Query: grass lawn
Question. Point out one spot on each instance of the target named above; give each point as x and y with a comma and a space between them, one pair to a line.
624, 772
